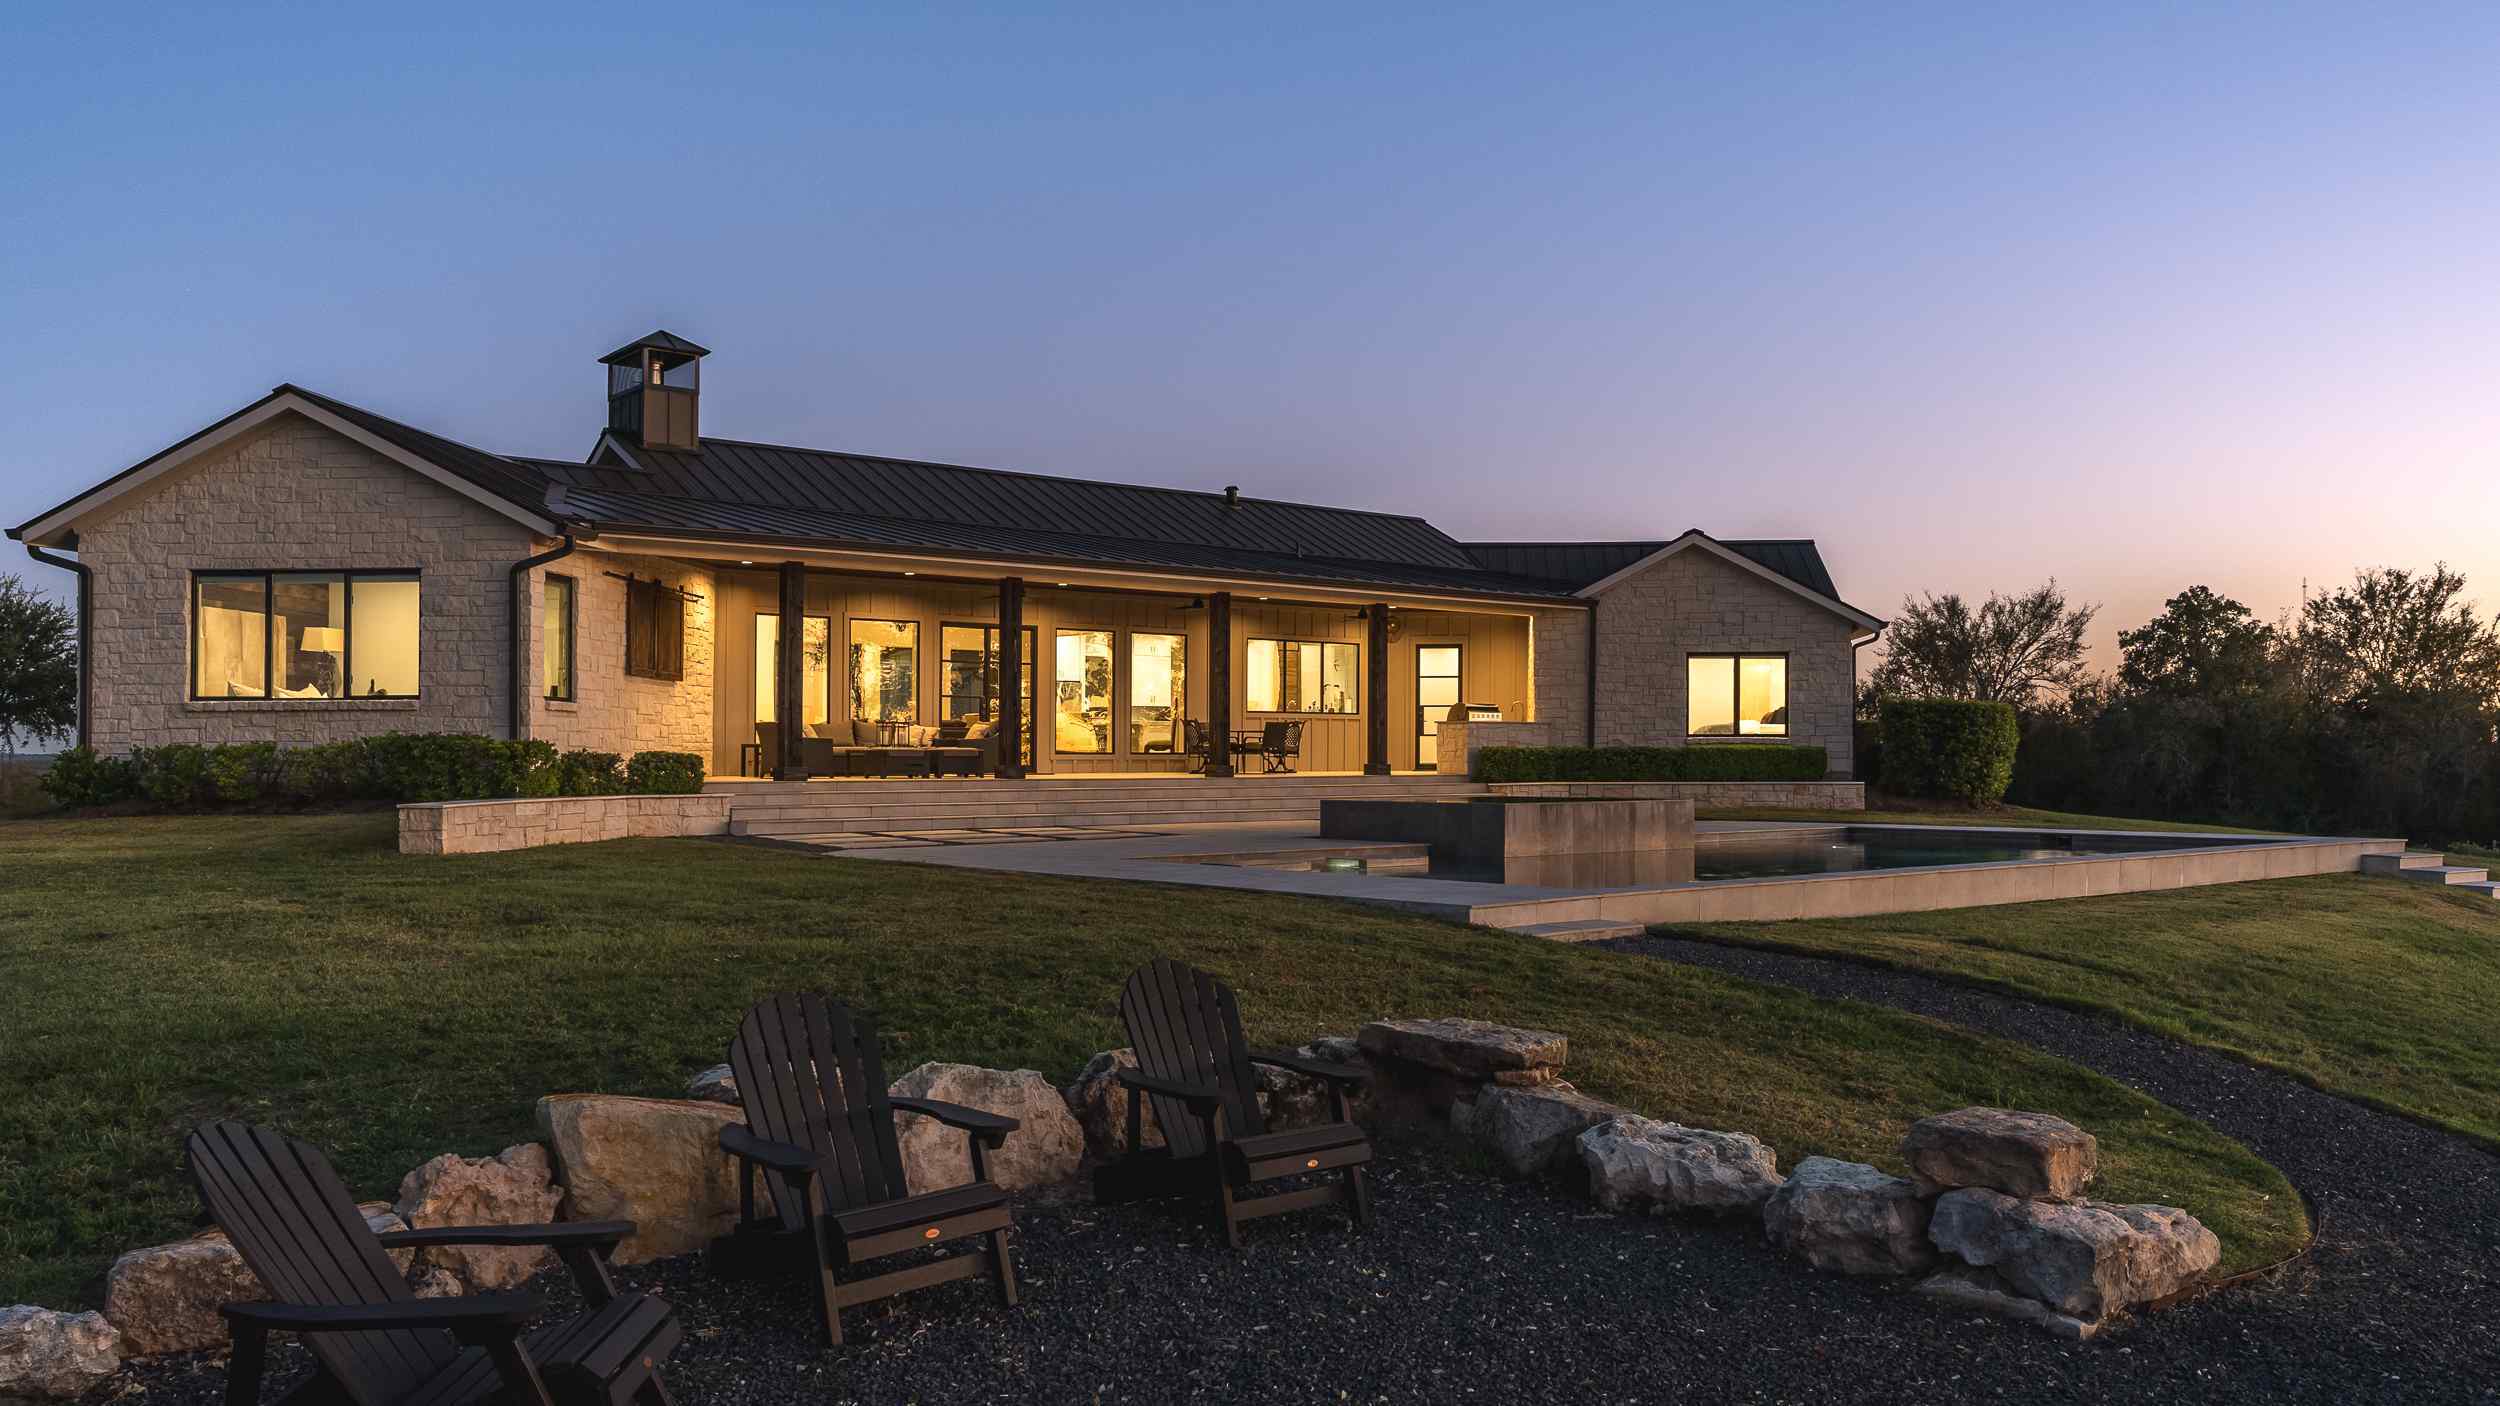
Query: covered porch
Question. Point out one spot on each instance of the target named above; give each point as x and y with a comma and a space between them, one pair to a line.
902, 670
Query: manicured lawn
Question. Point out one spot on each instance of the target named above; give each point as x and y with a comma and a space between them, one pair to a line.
2001, 815
2376, 989
298, 970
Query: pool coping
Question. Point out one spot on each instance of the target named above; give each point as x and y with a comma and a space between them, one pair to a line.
2224, 858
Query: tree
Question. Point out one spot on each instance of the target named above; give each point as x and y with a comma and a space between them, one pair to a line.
38, 667
2396, 631
2013, 649
2202, 645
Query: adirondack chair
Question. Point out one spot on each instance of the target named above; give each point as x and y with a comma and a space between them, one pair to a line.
377, 1343
820, 1132
1199, 1074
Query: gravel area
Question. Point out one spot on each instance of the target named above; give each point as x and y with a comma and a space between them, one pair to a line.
1475, 1289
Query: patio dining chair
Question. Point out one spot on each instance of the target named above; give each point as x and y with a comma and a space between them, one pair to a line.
1280, 745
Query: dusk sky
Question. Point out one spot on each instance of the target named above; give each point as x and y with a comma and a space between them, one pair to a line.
1972, 295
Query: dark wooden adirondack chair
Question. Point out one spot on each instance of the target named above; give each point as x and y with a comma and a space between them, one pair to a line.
377, 1343
820, 1129
1193, 1064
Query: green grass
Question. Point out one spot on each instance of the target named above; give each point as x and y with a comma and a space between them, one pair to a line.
297, 970
2375, 989
1893, 813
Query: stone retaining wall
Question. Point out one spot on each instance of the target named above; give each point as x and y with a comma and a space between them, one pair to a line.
1786, 795
489, 827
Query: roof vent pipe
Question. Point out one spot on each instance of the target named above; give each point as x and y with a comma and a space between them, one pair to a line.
1232, 495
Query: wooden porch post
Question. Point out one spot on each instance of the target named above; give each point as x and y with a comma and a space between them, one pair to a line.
790, 674
1220, 684
1376, 687
1011, 700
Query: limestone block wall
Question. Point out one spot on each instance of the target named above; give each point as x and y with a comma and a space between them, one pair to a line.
1696, 603
293, 496
612, 711
489, 827
1783, 795
1558, 646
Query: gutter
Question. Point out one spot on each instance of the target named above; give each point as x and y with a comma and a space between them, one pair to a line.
519, 656
86, 656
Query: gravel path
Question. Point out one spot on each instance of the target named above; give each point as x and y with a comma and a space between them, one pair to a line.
1474, 1289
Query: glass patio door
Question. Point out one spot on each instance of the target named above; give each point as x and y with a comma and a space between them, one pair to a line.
1436, 689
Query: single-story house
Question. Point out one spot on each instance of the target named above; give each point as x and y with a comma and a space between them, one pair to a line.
305, 570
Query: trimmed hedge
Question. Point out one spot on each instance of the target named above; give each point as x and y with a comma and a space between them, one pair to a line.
1953, 749
1708, 762
397, 767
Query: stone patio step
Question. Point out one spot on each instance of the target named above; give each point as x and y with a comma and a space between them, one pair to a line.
2486, 888
2451, 874
2392, 864
1583, 930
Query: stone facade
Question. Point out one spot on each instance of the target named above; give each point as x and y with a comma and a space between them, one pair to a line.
1558, 668
1697, 603
612, 711
293, 496
490, 827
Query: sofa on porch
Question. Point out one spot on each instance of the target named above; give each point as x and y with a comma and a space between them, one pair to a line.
865, 748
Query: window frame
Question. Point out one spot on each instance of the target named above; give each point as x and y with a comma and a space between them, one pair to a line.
1129, 705
1354, 693
1031, 667
1736, 660
268, 577
1114, 710
761, 697
572, 637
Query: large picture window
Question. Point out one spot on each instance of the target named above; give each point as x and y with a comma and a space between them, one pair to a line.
1301, 676
968, 677
555, 637
885, 670
1081, 693
815, 670
304, 634
1736, 695
1158, 691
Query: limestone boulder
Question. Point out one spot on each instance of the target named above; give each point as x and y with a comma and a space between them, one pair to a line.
2000, 1149
1530, 1131
1290, 1100
514, 1187
1469, 1050
1641, 1164
47, 1355
655, 1162
1100, 1107
1044, 1150
1986, 1291
165, 1298
714, 1085
1849, 1218
2087, 1259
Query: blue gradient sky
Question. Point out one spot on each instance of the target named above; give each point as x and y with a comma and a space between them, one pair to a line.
1972, 294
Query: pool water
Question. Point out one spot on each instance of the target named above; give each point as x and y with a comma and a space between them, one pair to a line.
1790, 854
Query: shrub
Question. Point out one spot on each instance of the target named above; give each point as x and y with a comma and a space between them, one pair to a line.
175, 775
1949, 748
78, 777
242, 773
324, 774
1709, 762
588, 773
664, 774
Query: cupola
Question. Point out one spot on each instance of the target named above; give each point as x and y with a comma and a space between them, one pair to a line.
654, 386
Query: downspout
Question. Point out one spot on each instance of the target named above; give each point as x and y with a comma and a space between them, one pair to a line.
1591, 672
519, 662
86, 656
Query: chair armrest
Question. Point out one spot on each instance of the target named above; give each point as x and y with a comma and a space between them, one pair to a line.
477, 1314
744, 1143
593, 1233
1309, 1067
991, 1128
1199, 1097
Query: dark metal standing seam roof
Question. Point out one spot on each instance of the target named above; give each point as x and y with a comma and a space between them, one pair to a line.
768, 475
1580, 564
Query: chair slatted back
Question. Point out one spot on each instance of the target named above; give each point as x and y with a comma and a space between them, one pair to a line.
295, 1224
1185, 1025
810, 1074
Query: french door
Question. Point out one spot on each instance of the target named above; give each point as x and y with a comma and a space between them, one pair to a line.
1437, 671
